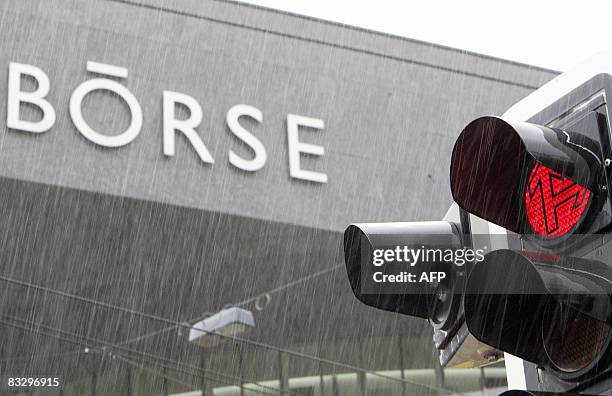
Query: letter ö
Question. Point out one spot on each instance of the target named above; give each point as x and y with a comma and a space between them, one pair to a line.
85, 88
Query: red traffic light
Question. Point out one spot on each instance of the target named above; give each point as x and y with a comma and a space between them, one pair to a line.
528, 178
554, 204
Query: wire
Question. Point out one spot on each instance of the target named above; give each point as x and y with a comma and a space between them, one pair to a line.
290, 284
88, 341
234, 338
240, 304
175, 324
198, 318
107, 345
84, 299
145, 355
117, 355
160, 331
51, 355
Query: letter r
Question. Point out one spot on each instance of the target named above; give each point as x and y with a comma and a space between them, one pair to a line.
187, 126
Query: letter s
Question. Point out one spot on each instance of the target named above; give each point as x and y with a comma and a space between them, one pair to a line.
37, 98
260, 157
480, 255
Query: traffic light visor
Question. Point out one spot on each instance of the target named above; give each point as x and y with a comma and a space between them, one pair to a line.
363, 241
525, 177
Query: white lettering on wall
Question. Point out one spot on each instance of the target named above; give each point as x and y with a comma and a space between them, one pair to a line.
186, 127
296, 147
76, 101
37, 98
260, 157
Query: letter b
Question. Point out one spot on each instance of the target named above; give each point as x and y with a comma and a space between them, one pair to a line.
37, 98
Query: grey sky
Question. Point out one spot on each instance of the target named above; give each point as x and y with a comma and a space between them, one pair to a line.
551, 34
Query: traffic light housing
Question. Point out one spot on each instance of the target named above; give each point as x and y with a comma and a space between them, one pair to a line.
548, 297
533, 179
438, 301
545, 294
362, 240
551, 310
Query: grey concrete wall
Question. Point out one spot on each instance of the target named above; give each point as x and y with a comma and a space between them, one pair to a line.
177, 263
392, 107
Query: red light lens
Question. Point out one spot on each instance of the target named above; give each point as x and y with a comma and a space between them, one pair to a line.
555, 204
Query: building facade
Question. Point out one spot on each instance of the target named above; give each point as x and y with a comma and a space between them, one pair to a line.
163, 160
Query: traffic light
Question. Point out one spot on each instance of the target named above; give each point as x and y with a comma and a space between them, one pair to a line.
545, 293
363, 241
547, 298
551, 310
533, 179
435, 297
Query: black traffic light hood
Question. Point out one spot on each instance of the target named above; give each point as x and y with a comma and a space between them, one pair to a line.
492, 159
361, 240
